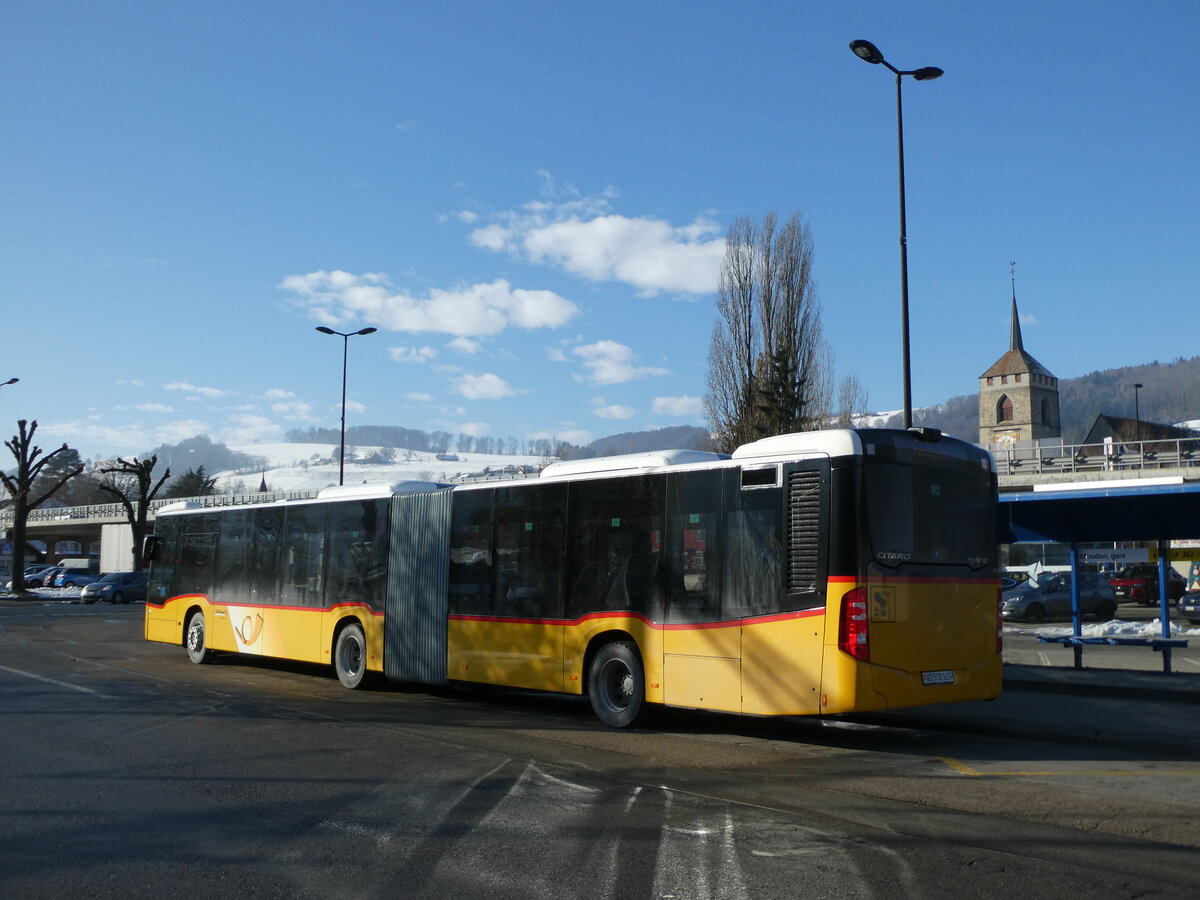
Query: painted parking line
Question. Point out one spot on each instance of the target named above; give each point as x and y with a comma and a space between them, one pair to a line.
963, 769
66, 684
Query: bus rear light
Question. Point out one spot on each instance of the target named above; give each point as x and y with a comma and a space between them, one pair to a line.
853, 636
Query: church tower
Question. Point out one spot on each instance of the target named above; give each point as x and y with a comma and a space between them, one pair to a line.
1018, 397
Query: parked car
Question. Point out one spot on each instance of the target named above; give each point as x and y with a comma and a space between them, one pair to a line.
1050, 599
116, 587
45, 578
33, 575
1139, 584
1188, 607
74, 578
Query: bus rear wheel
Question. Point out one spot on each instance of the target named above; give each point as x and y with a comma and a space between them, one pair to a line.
194, 639
617, 684
350, 656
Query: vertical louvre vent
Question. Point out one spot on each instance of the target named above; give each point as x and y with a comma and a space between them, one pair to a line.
804, 530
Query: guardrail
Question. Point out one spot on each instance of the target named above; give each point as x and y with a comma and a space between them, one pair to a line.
117, 510
1064, 459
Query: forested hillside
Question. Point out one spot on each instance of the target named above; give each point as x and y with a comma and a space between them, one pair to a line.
1170, 394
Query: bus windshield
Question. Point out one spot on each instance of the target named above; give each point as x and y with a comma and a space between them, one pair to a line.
929, 514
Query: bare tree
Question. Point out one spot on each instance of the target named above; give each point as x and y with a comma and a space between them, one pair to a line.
129, 481
768, 363
20, 487
852, 401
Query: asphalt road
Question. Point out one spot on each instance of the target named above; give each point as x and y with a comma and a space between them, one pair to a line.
130, 772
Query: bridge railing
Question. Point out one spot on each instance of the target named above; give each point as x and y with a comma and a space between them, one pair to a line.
1053, 458
117, 510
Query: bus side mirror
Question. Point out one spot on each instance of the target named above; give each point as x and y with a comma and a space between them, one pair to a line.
150, 549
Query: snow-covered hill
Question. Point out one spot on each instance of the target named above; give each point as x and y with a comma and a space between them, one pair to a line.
295, 467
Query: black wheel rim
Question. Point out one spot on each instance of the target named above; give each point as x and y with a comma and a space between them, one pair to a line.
616, 685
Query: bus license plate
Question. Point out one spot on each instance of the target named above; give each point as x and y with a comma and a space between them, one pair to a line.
944, 676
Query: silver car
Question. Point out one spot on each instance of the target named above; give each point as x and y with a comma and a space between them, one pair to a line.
1050, 599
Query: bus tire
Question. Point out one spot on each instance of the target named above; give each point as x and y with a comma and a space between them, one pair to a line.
350, 656
195, 638
617, 684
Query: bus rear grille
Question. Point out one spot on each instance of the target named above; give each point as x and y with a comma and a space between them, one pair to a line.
804, 530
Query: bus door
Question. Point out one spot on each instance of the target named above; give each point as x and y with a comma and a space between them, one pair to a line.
701, 648
774, 575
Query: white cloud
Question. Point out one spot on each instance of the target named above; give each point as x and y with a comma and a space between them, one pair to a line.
467, 216
412, 354
294, 410
582, 236
278, 394
467, 310
679, 406
248, 429
555, 355
154, 408
610, 363
356, 407
174, 432
474, 429
484, 387
615, 412
465, 345
420, 397
194, 389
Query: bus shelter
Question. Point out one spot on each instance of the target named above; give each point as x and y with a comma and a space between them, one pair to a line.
1150, 510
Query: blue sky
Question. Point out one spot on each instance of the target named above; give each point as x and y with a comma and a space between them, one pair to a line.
528, 200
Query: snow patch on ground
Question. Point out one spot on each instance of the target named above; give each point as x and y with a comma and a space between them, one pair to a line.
1117, 628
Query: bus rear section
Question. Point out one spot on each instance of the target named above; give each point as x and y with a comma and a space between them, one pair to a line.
913, 615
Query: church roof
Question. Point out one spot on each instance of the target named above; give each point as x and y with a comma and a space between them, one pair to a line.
1016, 359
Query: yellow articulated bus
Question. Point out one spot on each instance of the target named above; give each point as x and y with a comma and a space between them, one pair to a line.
814, 573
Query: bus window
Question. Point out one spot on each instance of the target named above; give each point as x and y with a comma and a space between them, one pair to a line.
303, 555
162, 570
529, 550
197, 555
471, 553
356, 563
692, 564
264, 556
752, 563
233, 557
617, 527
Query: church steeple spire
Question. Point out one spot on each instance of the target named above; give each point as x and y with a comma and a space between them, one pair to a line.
1014, 336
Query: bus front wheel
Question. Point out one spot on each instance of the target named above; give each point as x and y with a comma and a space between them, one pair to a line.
350, 656
617, 684
195, 641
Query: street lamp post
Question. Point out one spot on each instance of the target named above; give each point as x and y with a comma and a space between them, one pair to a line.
1137, 414
10, 381
868, 52
345, 336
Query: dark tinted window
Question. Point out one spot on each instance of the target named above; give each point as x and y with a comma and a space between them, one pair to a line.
303, 555
529, 523
471, 553
357, 553
617, 532
233, 556
691, 561
930, 514
752, 551
197, 554
264, 555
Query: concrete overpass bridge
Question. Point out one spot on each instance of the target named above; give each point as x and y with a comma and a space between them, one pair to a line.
82, 525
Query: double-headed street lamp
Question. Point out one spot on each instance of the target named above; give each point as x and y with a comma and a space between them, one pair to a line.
345, 336
867, 51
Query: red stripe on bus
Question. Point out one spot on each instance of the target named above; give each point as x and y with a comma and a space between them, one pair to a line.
687, 626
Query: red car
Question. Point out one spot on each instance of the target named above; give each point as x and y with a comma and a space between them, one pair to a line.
1139, 584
